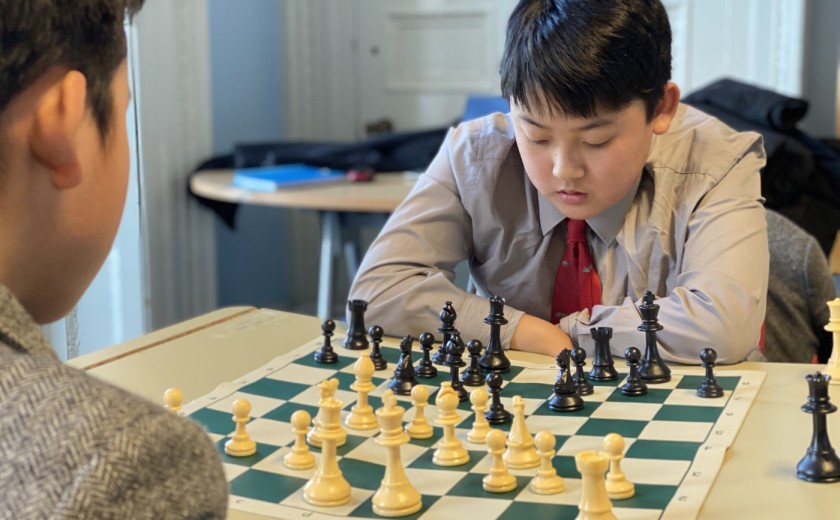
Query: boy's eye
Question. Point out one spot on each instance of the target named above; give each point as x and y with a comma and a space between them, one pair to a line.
602, 144
537, 141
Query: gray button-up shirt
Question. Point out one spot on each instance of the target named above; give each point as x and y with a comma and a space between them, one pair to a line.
693, 231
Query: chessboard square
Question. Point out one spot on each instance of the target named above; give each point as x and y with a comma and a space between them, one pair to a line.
371, 451
260, 405
274, 388
655, 472
566, 467
708, 414
214, 421
653, 395
425, 462
579, 443
557, 423
589, 407
303, 374
530, 390
471, 486
263, 451
432, 481
534, 511
357, 497
308, 361
692, 382
269, 432
362, 474
543, 378
676, 431
283, 413
365, 509
268, 487
637, 411
233, 470
602, 427
456, 508
666, 450
648, 496
688, 397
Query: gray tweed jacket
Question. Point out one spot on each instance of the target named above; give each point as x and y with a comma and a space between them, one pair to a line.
72, 446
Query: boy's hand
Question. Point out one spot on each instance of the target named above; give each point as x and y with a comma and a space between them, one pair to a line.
535, 335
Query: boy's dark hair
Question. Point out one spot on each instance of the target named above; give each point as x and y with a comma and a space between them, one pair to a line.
83, 35
577, 56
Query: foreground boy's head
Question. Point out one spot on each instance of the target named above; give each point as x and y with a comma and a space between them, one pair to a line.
64, 156
588, 83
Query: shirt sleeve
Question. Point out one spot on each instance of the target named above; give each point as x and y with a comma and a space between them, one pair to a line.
408, 273
719, 296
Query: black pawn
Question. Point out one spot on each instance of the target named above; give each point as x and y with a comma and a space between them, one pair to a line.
494, 359
496, 414
404, 377
709, 387
454, 350
425, 368
652, 369
584, 387
634, 385
376, 333
565, 398
603, 366
447, 326
472, 375
326, 354
356, 334
820, 463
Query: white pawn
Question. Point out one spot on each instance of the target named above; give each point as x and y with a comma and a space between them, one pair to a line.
499, 480
618, 487
480, 429
172, 398
450, 451
240, 445
361, 415
594, 502
419, 427
520, 453
300, 457
547, 481
396, 496
833, 326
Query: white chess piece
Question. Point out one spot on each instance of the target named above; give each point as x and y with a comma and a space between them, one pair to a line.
833, 326
419, 427
300, 457
172, 397
450, 451
594, 502
327, 389
328, 487
499, 480
396, 496
240, 444
520, 453
361, 415
547, 481
618, 487
480, 429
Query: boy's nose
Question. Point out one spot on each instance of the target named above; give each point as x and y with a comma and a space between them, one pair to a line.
565, 167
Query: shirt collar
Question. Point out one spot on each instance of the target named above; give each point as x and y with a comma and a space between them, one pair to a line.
18, 329
605, 225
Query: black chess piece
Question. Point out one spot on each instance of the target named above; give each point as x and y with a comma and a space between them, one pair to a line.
565, 398
447, 325
634, 385
709, 387
652, 369
496, 414
584, 387
376, 333
820, 463
326, 354
603, 366
356, 334
425, 368
404, 377
494, 359
454, 351
472, 375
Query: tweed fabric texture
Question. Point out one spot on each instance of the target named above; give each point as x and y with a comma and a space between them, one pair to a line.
73, 447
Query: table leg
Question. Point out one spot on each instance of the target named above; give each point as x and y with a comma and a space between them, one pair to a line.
330, 240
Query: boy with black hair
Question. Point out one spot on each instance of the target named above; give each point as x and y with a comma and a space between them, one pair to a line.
596, 187
72, 446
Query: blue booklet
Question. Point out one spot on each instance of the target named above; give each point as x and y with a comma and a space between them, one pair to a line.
272, 178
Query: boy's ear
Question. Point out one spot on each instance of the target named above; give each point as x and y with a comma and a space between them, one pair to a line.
59, 114
666, 108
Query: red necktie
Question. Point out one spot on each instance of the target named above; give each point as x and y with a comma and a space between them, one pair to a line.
576, 285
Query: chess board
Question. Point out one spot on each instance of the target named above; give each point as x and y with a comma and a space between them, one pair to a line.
675, 441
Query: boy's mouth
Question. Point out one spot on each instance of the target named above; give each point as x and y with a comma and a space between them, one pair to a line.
571, 196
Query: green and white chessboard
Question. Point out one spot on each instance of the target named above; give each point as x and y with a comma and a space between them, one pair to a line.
675, 441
